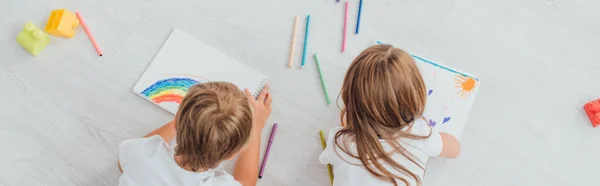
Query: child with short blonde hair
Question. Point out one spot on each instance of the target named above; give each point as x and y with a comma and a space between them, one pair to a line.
215, 122
384, 139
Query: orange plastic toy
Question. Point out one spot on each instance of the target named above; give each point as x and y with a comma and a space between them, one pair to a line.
592, 109
62, 23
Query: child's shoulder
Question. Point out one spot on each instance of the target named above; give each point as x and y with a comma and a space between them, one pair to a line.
142, 148
223, 178
146, 142
420, 127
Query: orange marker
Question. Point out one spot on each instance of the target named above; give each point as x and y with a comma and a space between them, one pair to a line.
293, 43
88, 33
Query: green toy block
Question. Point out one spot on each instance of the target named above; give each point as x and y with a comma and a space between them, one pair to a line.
33, 39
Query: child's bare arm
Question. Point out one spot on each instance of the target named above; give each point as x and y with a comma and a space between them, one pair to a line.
167, 132
451, 146
246, 167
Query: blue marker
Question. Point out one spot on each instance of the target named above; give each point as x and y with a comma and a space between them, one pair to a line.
437, 65
443, 67
305, 40
358, 18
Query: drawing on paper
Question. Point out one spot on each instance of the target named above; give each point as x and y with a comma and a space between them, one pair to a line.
170, 89
450, 94
432, 123
444, 106
446, 119
466, 85
182, 62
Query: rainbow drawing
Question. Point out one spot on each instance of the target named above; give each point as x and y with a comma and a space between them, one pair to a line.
169, 90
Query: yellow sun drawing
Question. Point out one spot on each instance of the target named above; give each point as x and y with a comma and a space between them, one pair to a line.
466, 85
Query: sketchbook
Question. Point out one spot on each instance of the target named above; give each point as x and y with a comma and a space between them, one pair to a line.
184, 61
450, 94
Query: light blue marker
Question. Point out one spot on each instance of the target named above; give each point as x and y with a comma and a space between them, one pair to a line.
305, 40
436, 65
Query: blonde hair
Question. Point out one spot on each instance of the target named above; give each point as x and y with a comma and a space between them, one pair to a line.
383, 93
213, 122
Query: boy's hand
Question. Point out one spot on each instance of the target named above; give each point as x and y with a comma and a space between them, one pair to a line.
261, 107
246, 167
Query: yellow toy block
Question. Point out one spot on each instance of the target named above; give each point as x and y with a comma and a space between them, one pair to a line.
62, 23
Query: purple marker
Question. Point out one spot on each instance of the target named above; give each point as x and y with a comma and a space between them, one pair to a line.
264, 163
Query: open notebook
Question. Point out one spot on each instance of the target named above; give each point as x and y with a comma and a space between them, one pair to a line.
184, 61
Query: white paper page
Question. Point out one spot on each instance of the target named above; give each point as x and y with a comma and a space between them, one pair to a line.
450, 96
183, 61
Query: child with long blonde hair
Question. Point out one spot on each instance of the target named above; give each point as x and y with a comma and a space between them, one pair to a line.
384, 139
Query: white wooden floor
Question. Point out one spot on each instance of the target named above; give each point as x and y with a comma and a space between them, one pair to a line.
63, 113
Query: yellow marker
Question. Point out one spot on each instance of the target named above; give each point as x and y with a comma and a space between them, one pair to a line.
328, 165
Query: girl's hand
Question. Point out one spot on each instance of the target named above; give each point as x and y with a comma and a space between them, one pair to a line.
261, 107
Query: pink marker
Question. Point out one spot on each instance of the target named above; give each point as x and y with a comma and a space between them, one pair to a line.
87, 31
345, 28
264, 163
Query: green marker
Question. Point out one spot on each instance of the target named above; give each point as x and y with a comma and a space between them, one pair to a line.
322, 80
